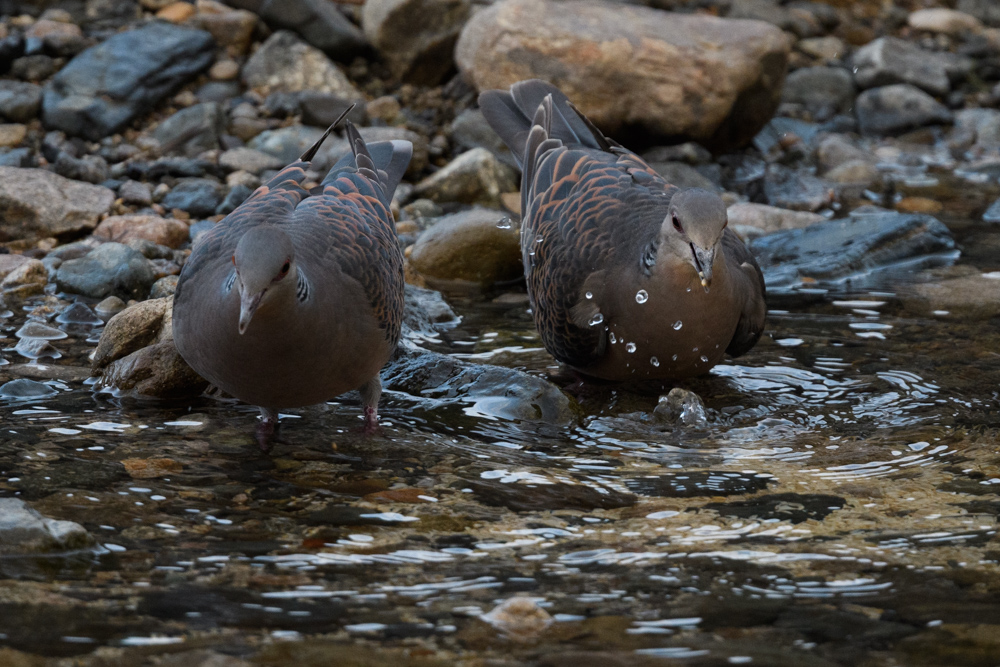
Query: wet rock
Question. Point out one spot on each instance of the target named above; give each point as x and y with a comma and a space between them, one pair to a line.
192, 131
895, 109
474, 177
986, 11
19, 102
24, 389
164, 287
153, 228
973, 295
36, 348
793, 507
823, 91
287, 64
765, 219
835, 150
491, 390
12, 262
698, 483
980, 126
684, 176
157, 370
108, 85
78, 313
479, 245
197, 196
416, 37
992, 214
683, 407
109, 307
318, 22
854, 172
425, 311
134, 192
623, 89
947, 21
789, 188
89, 168
36, 203
248, 159
112, 268
470, 130
541, 497
890, 60
836, 250
520, 619
23, 531
136, 327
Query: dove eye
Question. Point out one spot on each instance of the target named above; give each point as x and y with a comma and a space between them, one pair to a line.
285, 267
677, 224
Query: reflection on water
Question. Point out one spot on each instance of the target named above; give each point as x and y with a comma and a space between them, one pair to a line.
848, 477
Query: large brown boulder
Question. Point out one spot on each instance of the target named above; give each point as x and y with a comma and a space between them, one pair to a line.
638, 73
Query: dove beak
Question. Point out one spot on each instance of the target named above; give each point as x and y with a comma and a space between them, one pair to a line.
248, 306
703, 261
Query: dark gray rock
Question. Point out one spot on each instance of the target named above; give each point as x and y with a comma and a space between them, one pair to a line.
898, 108
794, 189
19, 101
890, 60
470, 130
34, 68
792, 507
987, 11
803, 24
23, 530
111, 268
248, 159
319, 22
683, 407
193, 130
134, 192
492, 391
236, 196
18, 157
322, 109
197, 196
89, 168
992, 214
823, 91
218, 91
840, 250
284, 63
105, 87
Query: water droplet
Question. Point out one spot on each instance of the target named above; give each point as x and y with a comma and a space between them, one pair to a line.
673, 358
589, 295
539, 239
688, 289
503, 223
641, 296
630, 348
704, 359
654, 361
613, 339
596, 319
677, 325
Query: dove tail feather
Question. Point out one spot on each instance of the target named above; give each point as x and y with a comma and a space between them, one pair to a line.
381, 162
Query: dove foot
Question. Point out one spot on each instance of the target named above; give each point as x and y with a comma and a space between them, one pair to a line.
371, 420
267, 430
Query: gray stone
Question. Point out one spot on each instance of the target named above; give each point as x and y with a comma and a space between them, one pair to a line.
992, 214
793, 189
837, 250
250, 160
801, 23
982, 126
111, 268
835, 150
24, 389
134, 192
898, 108
474, 177
470, 130
36, 67
236, 196
319, 22
192, 131
35, 203
767, 219
823, 91
684, 176
197, 196
284, 63
19, 101
416, 37
133, 328
987, 11
109, 307
18, 157
157, 370
108, 85
890, 60
89, 168
323, 109
23, 531
164, 287
683, 407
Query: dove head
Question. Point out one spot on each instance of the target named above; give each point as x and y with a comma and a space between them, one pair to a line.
693, 230
265, 271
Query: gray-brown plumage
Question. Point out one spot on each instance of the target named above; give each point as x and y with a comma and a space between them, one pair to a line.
629, 277
297, 296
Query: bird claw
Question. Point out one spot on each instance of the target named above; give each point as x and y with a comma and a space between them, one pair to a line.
371, 420
266, 434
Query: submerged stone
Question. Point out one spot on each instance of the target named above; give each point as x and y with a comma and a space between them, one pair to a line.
794, 507
23, 530
23, 389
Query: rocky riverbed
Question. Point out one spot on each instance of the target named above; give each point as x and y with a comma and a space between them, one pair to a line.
829, 499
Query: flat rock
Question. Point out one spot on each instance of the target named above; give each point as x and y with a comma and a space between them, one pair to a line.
793, 189
474, 177
634, 70
890, 60
898, 108
542, 497
157, 370
972, 296
824, 91
20, 101
192, 131
35, 203
111, 268
248, 159
768, 219
835, 149
124, 228
284, 63
470, 246
416, 37
792, 507
837, 250
319, 22
24, 531
104, 88
197, 196
133, 328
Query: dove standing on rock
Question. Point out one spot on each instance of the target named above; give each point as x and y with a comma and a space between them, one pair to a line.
629, 277
297, 296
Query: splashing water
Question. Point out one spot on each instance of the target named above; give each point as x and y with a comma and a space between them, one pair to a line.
677, 325
596, 319
641, 296
630, 348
